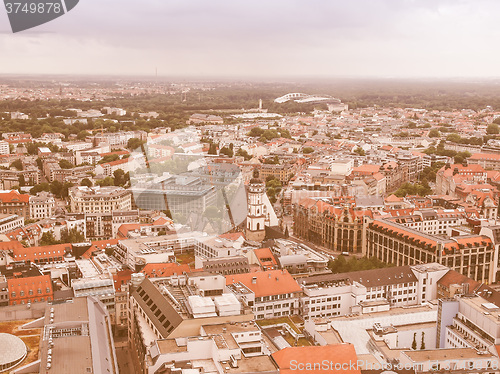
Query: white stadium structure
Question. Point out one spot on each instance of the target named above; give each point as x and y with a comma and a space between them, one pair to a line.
333, 103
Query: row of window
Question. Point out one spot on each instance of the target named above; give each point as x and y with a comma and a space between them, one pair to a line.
276, 314
35, 300
275, 306
273, 297
30, 292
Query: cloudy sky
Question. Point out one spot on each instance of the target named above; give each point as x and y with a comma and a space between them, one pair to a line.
256, 38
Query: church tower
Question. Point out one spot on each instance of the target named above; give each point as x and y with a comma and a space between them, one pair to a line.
255, 230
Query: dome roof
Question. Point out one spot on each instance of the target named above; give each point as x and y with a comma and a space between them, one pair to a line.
13, 350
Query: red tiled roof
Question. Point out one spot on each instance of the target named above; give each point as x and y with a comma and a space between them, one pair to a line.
232, 235
37, 285
485, 156
10, 246
162, 221
164, 269
117, 162
121, 277
366, 169
274, 282
14, 197
308, 360
453, 277
265, 257
99, 245
41, 253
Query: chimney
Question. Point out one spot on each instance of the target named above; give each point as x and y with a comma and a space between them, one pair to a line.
254, 280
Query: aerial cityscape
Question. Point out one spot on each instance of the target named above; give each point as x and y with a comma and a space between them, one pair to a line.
234, 189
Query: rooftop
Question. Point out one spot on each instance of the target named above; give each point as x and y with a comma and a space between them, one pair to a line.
266, 283
446, 354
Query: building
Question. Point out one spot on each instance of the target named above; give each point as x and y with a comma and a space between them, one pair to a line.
473, 323
283, 172
454, 283
231, 348
205, 118
42, 255
4, 148
270, 294
12, 202
226, 266
412, 163
118, 139
395, 175
369, 291
340, 228
43, 205
26, 284
470, 255
488, 161
449, 176
101, 289
77, 338
103, 226
183, 195
10, 222
255, 225
99, 199
469, 360
432, 221
332, 358
175, 307
138, 252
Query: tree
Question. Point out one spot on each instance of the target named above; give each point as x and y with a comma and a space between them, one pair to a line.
82, 135
72, 236
22, 181
108, 181
162, 232
241, 152
422, 342
65, 189
434, 133
414, 343
421, 189
341, 265
56, 188
39, 188
460, 157
86, 182
286, 234
493, 129
108, 158
119, 177
212, 149
18, 164
65, 164
272, 160
134, 143
226, 151
48, 239
455, 138
360, 151
307, 150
